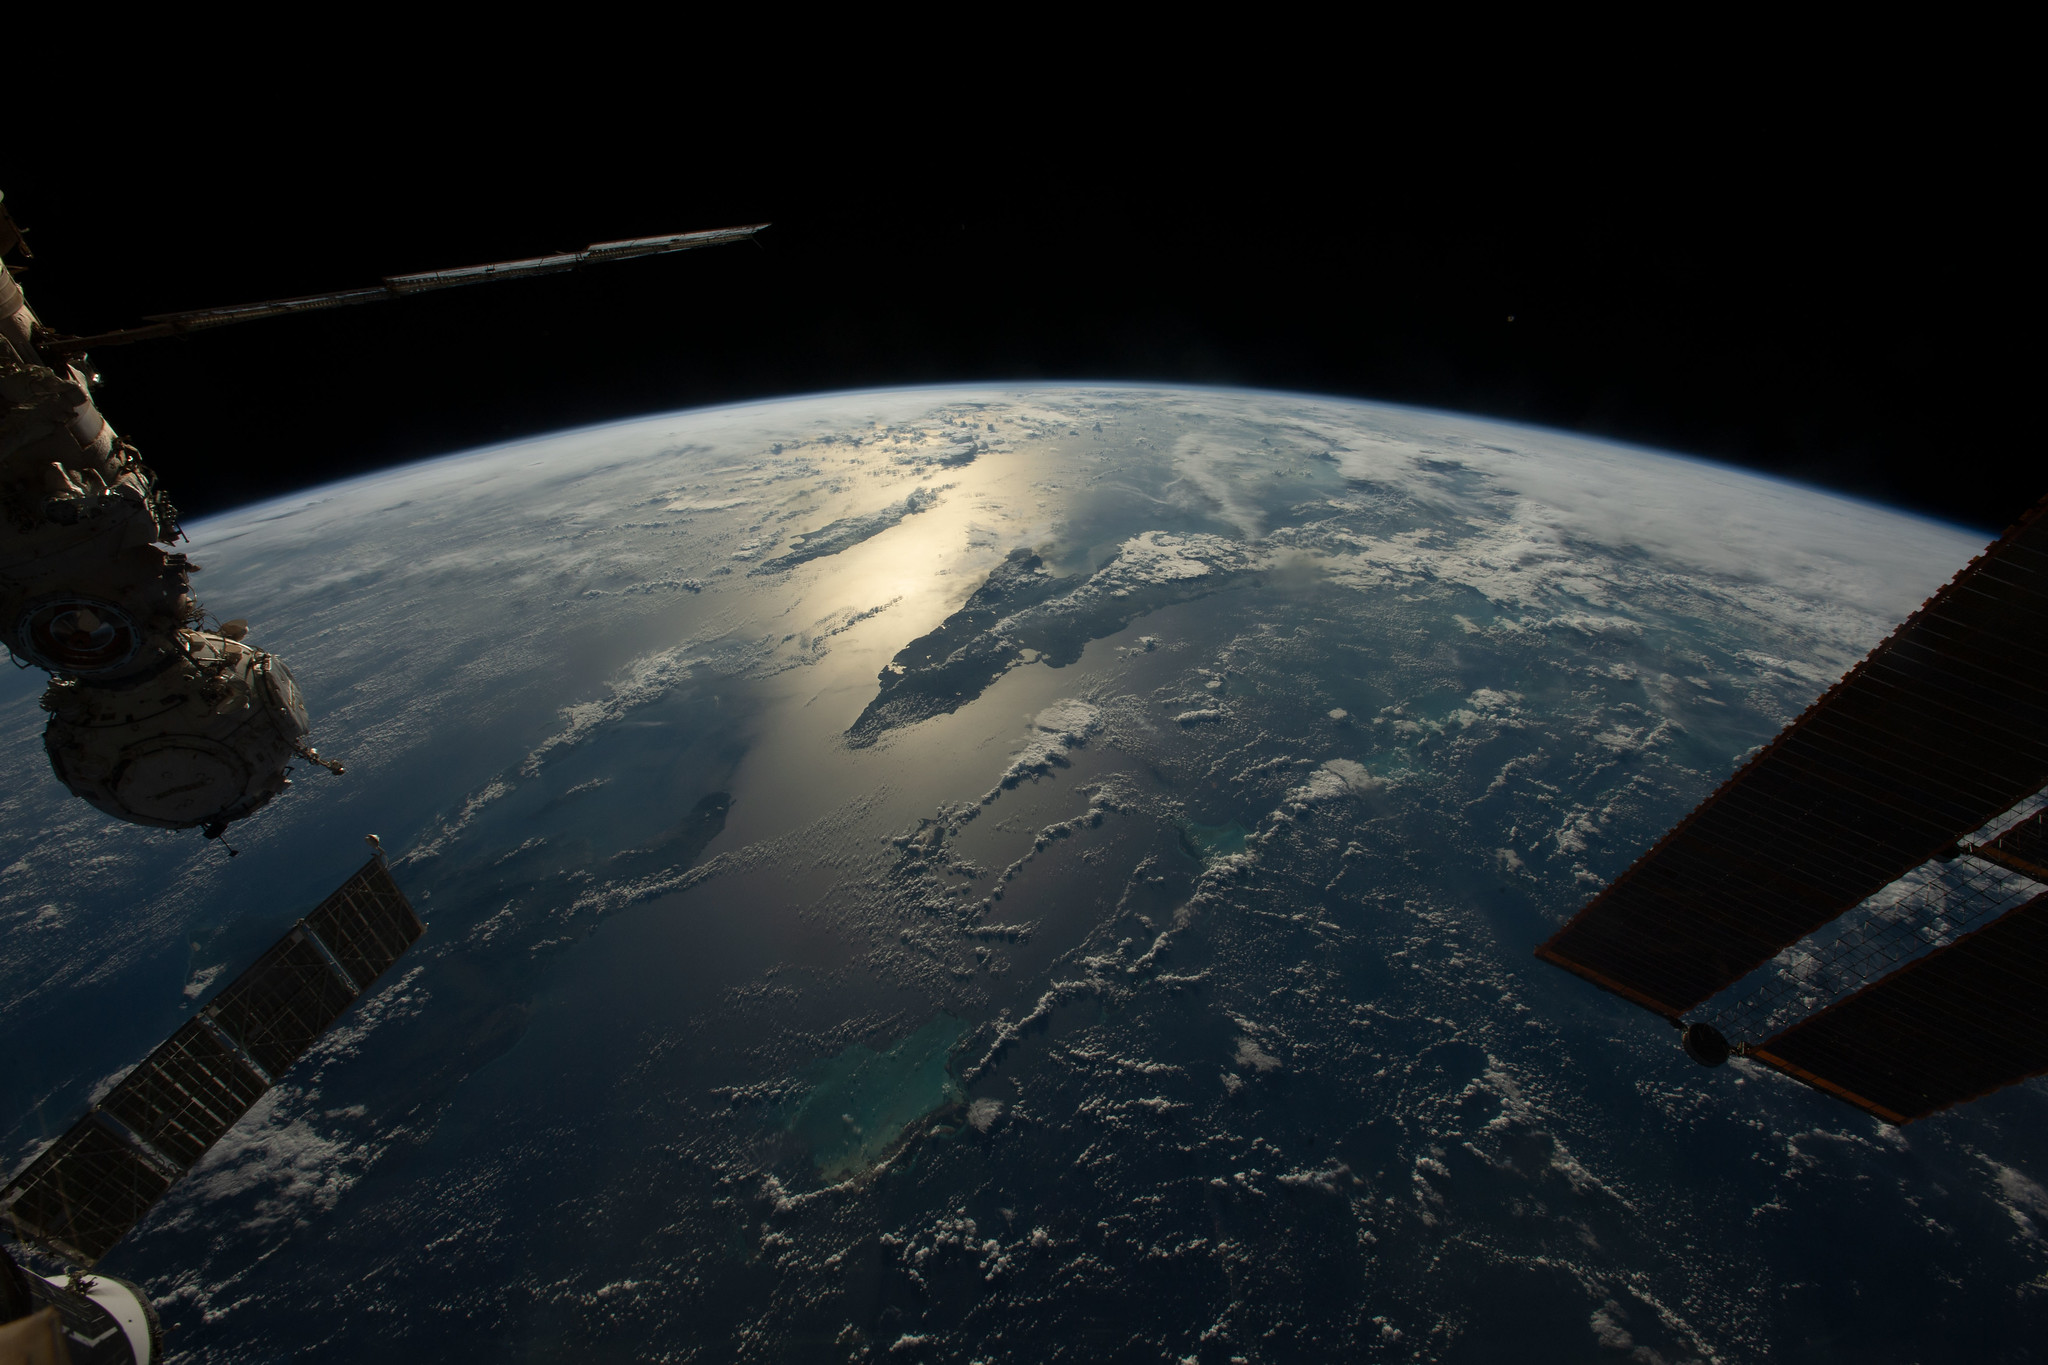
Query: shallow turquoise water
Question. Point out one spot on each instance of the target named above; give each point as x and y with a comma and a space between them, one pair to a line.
1209, 842
861, 1101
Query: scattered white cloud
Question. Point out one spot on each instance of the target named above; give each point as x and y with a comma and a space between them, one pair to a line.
1251, 1055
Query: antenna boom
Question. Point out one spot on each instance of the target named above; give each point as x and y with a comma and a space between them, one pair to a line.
399, 286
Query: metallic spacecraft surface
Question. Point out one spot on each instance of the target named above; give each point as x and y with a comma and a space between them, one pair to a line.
1919, 780
159, 715
80, 1319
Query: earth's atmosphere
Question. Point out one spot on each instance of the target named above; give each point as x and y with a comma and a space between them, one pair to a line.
1014, 874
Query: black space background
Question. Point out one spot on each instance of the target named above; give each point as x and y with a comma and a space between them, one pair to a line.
1850, 330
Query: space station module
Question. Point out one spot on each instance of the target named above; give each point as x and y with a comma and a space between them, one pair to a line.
153, 719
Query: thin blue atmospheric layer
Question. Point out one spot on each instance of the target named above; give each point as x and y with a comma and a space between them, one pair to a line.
861, 1102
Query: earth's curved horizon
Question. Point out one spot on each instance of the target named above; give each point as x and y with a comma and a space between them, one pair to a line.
1014, 873
971, 388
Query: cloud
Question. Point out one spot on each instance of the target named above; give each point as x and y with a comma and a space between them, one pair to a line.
1064, 725
1250, 1054
1549, 496
1335, 778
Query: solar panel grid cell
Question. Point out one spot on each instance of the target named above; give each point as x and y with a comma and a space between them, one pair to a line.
283, 1003
85, 1191
186, 1094
367, 924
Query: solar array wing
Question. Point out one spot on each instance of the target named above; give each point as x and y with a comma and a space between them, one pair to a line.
277, 1008
84, 1192
2022, 849
399, 286
1941, 728
1965, 1020
86, 1189
189, 1092
366, 924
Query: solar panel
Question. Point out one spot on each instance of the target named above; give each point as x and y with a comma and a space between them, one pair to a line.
85, 1190
278, 1007
1965, 1020
366, 924
1941, 728
186, 1094
2022, 849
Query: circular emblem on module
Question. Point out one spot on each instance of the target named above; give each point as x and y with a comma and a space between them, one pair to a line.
78, 635
180, 780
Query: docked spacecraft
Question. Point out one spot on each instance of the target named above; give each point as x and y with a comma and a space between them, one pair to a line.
159, 714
